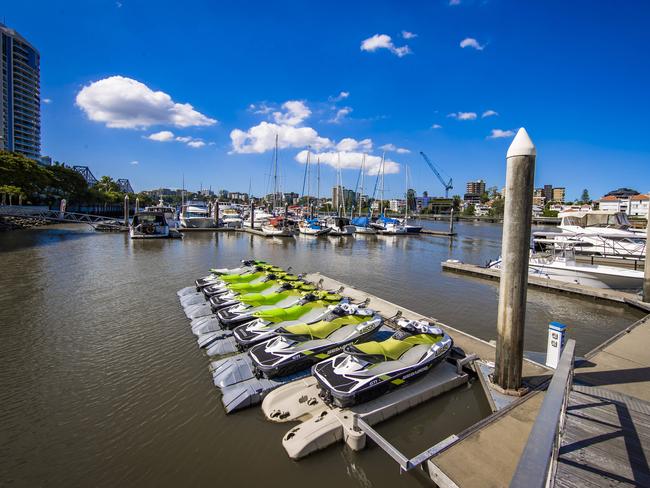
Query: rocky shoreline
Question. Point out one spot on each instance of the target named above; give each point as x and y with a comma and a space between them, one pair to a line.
17, 223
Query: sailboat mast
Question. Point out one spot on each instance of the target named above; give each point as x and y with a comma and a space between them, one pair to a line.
406, 209
275, 175
317, 184
381, 206
363, 163
309, 181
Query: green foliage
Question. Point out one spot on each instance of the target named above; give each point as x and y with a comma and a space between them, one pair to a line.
456, 203
485, 197
585, 198
549, 213
498, 206
470, 211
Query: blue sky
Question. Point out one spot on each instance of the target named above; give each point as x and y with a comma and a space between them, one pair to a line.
574, 74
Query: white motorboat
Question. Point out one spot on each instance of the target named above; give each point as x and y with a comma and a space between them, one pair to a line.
149, 225
195, 215
596, 232
563, 267
260, 218
230, 217
169, 211
339, 226
387, 226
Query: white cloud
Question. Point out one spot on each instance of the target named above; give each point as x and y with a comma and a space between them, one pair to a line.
167, 136
489, 113
47, 100
463, 115
351, 160
454, 2
471, 42
124, 103
261, 138
162, 136
262, 108
384, 41
341, 114
436, 126
134, 163
498, 134
394, 148
408, 35
295, 113
349, 144
341, 96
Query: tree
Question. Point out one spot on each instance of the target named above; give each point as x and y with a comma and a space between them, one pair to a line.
470, 211
498, 206
585, 196
410, 199
456, 203
485, 197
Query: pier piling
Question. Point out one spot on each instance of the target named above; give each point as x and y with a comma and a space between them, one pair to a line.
252, 214
646, 268
451, 222
126, 210
520, 173
216, 213
137, 205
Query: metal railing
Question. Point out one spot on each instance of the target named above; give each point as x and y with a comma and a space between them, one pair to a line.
534, 468
57, 216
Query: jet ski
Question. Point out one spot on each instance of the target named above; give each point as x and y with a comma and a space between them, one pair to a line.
289, 308
254, 286
247, 264
364, 371
297, 347
265, 296
240, 276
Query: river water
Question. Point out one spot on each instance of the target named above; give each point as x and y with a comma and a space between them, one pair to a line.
103, 385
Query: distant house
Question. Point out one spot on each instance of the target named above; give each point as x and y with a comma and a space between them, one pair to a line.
636, 205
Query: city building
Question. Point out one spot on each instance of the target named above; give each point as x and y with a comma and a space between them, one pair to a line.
559, 194
434, 205
548, 192
45, 161
538, 197
20, 97
476, 187
397, 205
235, 196
633, 205
206, 192
349, 197
291, 198
639, 205
472, 198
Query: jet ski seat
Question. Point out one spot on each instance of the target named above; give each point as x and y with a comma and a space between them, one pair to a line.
323, 329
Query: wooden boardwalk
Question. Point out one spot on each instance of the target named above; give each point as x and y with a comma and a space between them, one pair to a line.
605, 442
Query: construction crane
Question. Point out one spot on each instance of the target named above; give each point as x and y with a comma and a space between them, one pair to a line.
447, 184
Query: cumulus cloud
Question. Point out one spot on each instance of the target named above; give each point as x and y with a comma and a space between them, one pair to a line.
340, 115
167, 136
498, 134
349, 144
471, 42
394, 148
463, 115
261, 138
47, 100
436, 126
134, 163
351, 160
489, 113
162, 136
408, 35
262, 108
384, 41
124, 103
341, 96
295, 112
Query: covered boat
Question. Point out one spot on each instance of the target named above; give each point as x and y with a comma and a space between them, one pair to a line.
365, 371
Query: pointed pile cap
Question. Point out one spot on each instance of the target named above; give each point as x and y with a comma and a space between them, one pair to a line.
521, 145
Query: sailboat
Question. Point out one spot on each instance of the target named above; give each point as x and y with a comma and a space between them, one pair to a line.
339, 225
386, 225
310, 225
362, 224
410, 229
276, 226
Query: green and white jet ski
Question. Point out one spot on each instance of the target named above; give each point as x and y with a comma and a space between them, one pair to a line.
241, 275
364, 371
289, 307
299, 346
265, 289
254, 286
